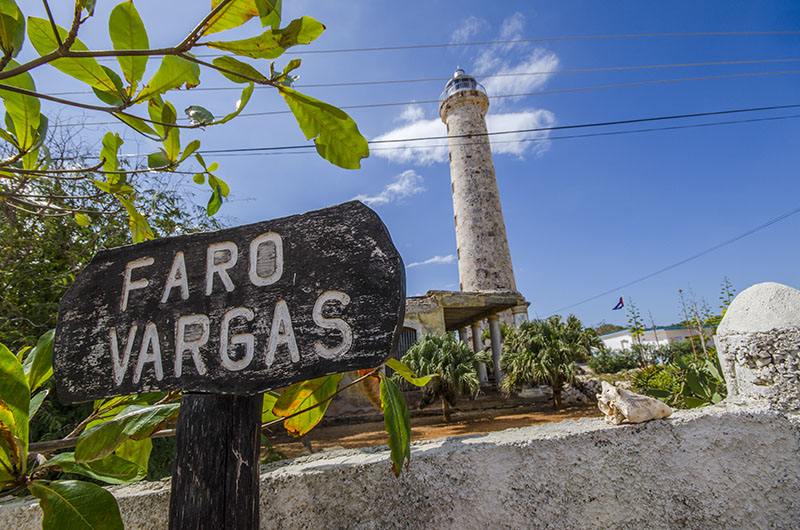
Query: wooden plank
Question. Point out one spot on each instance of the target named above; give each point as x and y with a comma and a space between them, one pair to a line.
215, 473
237, 311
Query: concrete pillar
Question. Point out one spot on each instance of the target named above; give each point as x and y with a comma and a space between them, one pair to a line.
462, 334
497, 348
520, 315
477, 345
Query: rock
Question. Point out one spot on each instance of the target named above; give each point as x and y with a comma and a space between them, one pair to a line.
623, 405
758, 342
571, 395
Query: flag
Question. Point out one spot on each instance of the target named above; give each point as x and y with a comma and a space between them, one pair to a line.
619, 305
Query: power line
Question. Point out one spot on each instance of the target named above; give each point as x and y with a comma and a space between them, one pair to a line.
489, 76
519, 131
544, 39
525, 140
500, 96
681, 262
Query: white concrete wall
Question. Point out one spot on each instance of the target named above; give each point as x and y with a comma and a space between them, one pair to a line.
717, 467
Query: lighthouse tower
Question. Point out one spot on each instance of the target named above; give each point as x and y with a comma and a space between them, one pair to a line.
484, 261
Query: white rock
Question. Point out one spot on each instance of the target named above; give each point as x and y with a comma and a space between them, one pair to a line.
623, 405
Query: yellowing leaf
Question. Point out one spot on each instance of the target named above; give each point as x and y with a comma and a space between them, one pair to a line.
173, 72
335, 134
408, 374
233, 15
127, 32
274, 42
371, 387
300, 396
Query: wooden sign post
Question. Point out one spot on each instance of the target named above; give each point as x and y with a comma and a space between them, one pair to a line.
224, 316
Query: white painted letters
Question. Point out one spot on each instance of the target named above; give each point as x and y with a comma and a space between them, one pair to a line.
256, 259
282, 321
243, 338
332, 323
120, 367
221, 267
129, 285
176, 278
193, 345
150, 352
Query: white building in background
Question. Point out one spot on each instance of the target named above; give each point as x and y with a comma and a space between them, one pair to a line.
623, 340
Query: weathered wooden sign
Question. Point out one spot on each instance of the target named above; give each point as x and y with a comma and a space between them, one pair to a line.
233, 312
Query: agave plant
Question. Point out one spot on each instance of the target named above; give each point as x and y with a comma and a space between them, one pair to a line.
454, 362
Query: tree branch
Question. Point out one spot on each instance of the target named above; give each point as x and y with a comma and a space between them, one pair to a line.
53, 23
187, 43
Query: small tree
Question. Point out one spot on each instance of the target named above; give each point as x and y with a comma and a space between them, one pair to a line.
453, 360
544, 352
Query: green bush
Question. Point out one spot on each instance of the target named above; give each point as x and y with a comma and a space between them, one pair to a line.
684, 383
611, 362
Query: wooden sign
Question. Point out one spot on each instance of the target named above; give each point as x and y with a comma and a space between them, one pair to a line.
234, 312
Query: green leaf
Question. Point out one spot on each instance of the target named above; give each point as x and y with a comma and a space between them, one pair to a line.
85, 69
88, 5
233, 15
136, 421
36, 402
15, 398
72, 504
136, 451
111, 144
199, 178
140, 228
215, 201
137, 124
158, 159
119, 96
694, 384
274, 42
111, 470
240, 104
397, 420
270, 12
38, 365
302, 395
190, 148
335, 134
270, 398
408, 374
693, 402
127, 32
173, 72
23, 110
235, 65
198, 115
12, 28
658, 393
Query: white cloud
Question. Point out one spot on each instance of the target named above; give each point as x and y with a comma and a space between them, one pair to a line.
405, 184
450, 258
513, 58
411, 113
468, 29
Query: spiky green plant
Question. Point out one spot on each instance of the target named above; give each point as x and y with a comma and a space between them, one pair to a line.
454, 362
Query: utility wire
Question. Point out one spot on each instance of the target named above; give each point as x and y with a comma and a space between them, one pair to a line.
681, 262
543, 39
524, 140
518, 131
501, 96
489, 76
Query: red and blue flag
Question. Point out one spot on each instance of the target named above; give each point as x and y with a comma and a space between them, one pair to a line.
619, 305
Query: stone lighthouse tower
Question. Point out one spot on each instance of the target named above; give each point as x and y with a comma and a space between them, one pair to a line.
484, 261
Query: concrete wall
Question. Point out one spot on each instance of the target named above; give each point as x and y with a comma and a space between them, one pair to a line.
718, 467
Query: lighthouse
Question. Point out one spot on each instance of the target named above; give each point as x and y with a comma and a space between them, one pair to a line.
484, 260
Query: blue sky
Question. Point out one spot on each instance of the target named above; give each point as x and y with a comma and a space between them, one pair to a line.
583, 215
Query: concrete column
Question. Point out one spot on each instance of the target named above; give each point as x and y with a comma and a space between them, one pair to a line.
462, 334
477, 345
497, 348
520, 315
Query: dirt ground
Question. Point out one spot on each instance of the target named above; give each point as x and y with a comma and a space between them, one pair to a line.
429, 426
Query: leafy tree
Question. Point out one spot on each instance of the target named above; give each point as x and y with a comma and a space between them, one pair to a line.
454, 363
604, 328
544, 352
30, 183
42, 254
